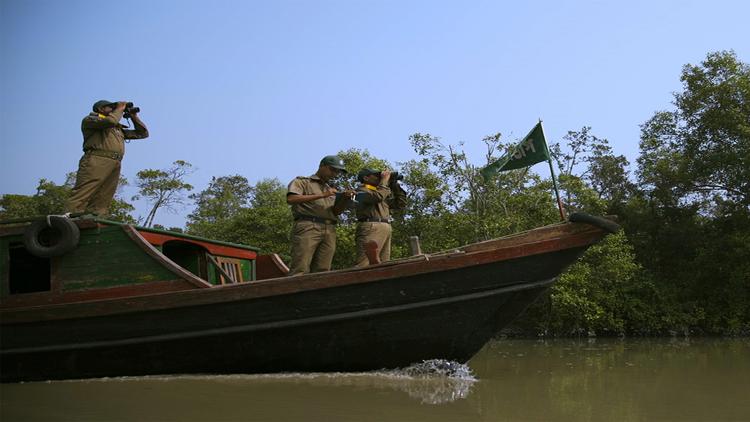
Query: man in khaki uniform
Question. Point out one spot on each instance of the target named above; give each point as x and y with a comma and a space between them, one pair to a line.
375, 199
315, 208
103, 149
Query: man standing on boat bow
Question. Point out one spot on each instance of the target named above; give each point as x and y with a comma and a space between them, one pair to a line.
315, 208
103, 148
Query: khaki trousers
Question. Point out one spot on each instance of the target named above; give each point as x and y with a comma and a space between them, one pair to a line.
380, 233
96, 183
313, 246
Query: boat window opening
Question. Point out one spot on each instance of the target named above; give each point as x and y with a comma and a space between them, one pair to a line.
27, 273
232, 268
187, 255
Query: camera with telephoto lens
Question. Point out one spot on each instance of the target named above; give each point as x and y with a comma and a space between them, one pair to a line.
129, 110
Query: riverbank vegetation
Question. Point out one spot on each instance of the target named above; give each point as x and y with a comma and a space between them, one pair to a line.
681, 264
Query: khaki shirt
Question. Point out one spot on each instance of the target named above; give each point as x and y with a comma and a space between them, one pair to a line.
312, 185
377, 201
105, 133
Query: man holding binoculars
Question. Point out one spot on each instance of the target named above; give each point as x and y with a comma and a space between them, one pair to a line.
379, 193
103, 148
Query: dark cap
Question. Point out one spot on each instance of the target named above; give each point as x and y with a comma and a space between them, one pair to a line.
101, 103
334, 161
366, 172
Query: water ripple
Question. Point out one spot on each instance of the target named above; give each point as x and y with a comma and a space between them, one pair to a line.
434, 381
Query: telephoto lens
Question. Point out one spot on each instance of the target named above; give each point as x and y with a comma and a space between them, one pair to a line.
396, 176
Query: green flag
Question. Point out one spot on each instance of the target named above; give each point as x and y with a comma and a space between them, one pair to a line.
531, 150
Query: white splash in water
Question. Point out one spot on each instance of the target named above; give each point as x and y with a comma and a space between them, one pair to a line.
435, 381
439, 368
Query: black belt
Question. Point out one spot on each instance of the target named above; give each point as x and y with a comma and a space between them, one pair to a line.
374, 220
315, 219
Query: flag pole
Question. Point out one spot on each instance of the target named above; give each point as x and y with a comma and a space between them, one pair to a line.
552, 172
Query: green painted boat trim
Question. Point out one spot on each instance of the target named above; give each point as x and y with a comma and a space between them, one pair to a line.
139, 228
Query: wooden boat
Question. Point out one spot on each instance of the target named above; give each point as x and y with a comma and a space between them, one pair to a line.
126, 300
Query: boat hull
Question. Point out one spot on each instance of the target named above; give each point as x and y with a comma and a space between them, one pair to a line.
388, 323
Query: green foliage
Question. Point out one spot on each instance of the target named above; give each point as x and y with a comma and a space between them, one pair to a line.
690, 221
604, 293
221, 201
163, 188
232, 210
702, 148
592, 178
346, 255
268, 220
450, 202
50, 199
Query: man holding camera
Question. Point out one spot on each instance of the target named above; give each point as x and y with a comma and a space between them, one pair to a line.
315, 208
379, 193
103, 148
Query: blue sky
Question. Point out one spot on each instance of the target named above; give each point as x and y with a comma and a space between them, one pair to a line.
265, 89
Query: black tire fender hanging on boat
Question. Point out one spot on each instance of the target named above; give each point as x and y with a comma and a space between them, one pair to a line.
53, 236
601, 222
